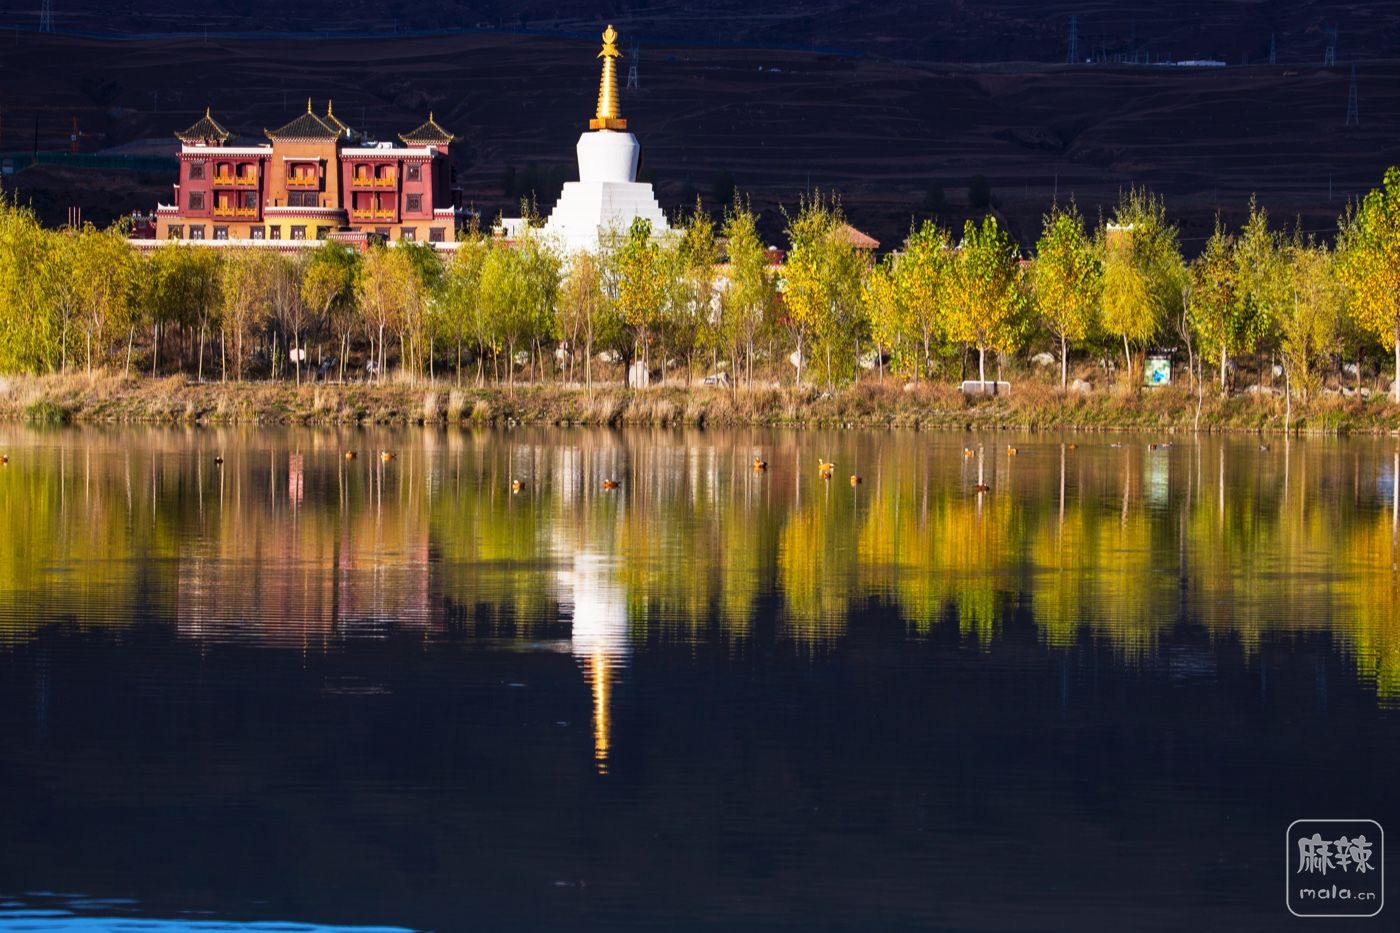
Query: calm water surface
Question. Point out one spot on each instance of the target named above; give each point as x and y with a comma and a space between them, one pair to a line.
296, 691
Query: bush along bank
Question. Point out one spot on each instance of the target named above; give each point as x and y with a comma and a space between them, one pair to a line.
870, 404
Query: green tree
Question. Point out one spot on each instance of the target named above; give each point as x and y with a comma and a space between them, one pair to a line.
519, 287
1263, 285
644, 282
1066, 280
245, 291
178, 286
692, 322
823, 283
1368, 264
1144, 274
30, 330
385, 283
1215, 297
891, 327
416, 322
587, 313
104, 274
328, 289
922, 278
749, 292
985, 298
1309, 325
461, 320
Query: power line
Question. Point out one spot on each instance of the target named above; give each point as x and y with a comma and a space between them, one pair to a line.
634, 81
1353, 112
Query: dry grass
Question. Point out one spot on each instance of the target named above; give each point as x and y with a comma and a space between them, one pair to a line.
1031, 405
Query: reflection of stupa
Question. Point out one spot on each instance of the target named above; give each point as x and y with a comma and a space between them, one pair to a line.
599, 638
607, 196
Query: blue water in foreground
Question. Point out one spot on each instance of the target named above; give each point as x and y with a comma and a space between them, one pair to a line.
297, 691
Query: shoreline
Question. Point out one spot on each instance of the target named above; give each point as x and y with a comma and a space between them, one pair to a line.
1031, 406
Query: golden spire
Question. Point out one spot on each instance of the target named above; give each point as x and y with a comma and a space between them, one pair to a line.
608, 117
308, 105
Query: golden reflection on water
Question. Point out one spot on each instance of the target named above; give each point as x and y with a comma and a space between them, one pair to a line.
288, 542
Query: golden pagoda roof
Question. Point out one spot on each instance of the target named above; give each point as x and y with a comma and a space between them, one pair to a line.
609, 113
203, 130
330, 119
427, 134
308, 126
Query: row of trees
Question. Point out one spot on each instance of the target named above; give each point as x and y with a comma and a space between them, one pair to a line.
84, 298
1261, 290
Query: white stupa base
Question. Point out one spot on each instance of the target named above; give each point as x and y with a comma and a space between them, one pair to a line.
605, 200
590, 213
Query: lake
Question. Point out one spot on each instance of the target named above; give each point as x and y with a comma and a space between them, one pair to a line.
293, 690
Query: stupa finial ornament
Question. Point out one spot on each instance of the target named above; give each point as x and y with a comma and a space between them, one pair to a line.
609, 115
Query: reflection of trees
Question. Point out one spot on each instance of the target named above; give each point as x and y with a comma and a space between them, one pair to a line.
289, 541
946, 549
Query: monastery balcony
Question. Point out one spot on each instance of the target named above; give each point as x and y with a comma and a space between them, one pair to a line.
381, 181
236, 181
235, 211
372, 215
303, 181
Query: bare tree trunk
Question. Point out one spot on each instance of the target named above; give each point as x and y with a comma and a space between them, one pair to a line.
1396, 387
155, 348
1128, 359
1288, 399
1223, 387
982, 366
130, 338
588, 359
201, 352
1064, 363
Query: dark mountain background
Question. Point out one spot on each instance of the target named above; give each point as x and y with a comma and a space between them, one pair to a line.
928, 30
945, 109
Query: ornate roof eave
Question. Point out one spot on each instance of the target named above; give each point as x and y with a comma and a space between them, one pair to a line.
331, 120
306, 126
206, 127
428, 133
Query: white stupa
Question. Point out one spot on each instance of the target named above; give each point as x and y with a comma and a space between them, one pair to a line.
607, 196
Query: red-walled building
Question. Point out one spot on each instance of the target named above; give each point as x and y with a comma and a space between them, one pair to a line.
316, 179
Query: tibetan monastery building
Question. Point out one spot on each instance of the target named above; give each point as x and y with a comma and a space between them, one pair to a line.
315, 180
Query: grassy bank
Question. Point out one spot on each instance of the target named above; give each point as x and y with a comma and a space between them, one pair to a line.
111, 399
